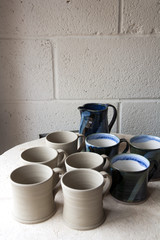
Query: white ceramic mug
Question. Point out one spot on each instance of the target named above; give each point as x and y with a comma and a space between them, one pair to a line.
44, 155
86, 160
32, 192
83, 192
68, 141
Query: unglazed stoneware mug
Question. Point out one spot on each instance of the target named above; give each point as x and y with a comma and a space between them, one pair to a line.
32, 192
130, 175
105, 143
83, 192
86, 160
68, 141
149, 147
44, 155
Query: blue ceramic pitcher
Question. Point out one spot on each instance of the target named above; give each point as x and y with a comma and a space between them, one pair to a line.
94, 118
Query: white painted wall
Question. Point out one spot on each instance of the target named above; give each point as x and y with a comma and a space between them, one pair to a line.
56, 55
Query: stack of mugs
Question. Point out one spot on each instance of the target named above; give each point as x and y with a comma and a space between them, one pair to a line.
88, 164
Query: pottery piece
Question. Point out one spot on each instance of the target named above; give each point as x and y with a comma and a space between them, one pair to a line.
83, 191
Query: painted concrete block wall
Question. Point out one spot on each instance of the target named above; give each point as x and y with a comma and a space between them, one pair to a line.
57, 55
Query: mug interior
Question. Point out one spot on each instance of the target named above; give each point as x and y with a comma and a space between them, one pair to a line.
61, 137
39, 154
130, 163
84, 160
147, 142
102, 140
82, 179
31, 174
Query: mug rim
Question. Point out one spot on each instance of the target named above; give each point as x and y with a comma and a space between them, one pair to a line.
39, 147
60, 143
75, 171
105, 134
82, 154
143, 135
127, 155
26, 185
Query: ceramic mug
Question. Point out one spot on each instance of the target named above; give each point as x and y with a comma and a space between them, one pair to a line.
83, 192
130, 175
32, 192
68, 141
44, 155
86, 160
105, 143
149, 147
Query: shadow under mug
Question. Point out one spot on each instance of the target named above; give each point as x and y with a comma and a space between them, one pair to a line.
149, 147
86, 160
33, 192
130, 175
83, 192
105, 143
68, 141
44, 155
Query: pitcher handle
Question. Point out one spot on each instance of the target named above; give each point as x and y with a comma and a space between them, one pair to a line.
110, 125
82, 143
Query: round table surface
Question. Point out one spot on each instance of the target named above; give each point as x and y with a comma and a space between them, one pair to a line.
123, 221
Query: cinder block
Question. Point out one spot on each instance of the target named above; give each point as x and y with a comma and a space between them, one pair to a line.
26, 70
141, 118
22, 122
56, 17
112, 67
141, 17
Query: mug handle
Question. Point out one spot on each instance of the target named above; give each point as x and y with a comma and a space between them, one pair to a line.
57, 172
105, 161
127, 145
82, 143
110, 125
62, 155
152, 169
107, 183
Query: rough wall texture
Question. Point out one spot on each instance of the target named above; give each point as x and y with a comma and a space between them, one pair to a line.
56, 55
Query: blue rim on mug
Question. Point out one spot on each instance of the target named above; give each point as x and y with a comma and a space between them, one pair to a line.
142, 161
98, 136
144, 139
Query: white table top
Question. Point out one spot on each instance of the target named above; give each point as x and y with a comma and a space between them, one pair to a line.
123, 221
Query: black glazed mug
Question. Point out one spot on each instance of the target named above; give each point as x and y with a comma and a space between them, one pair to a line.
105, 143
130, 175
149, 147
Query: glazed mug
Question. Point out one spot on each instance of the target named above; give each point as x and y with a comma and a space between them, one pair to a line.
68, 141
130, 175
86, 160
33, 191
83, 192
44, 155
149, 147
105, 143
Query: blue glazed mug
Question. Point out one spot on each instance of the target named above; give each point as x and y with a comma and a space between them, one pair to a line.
149, 147
105, 143
130, 175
